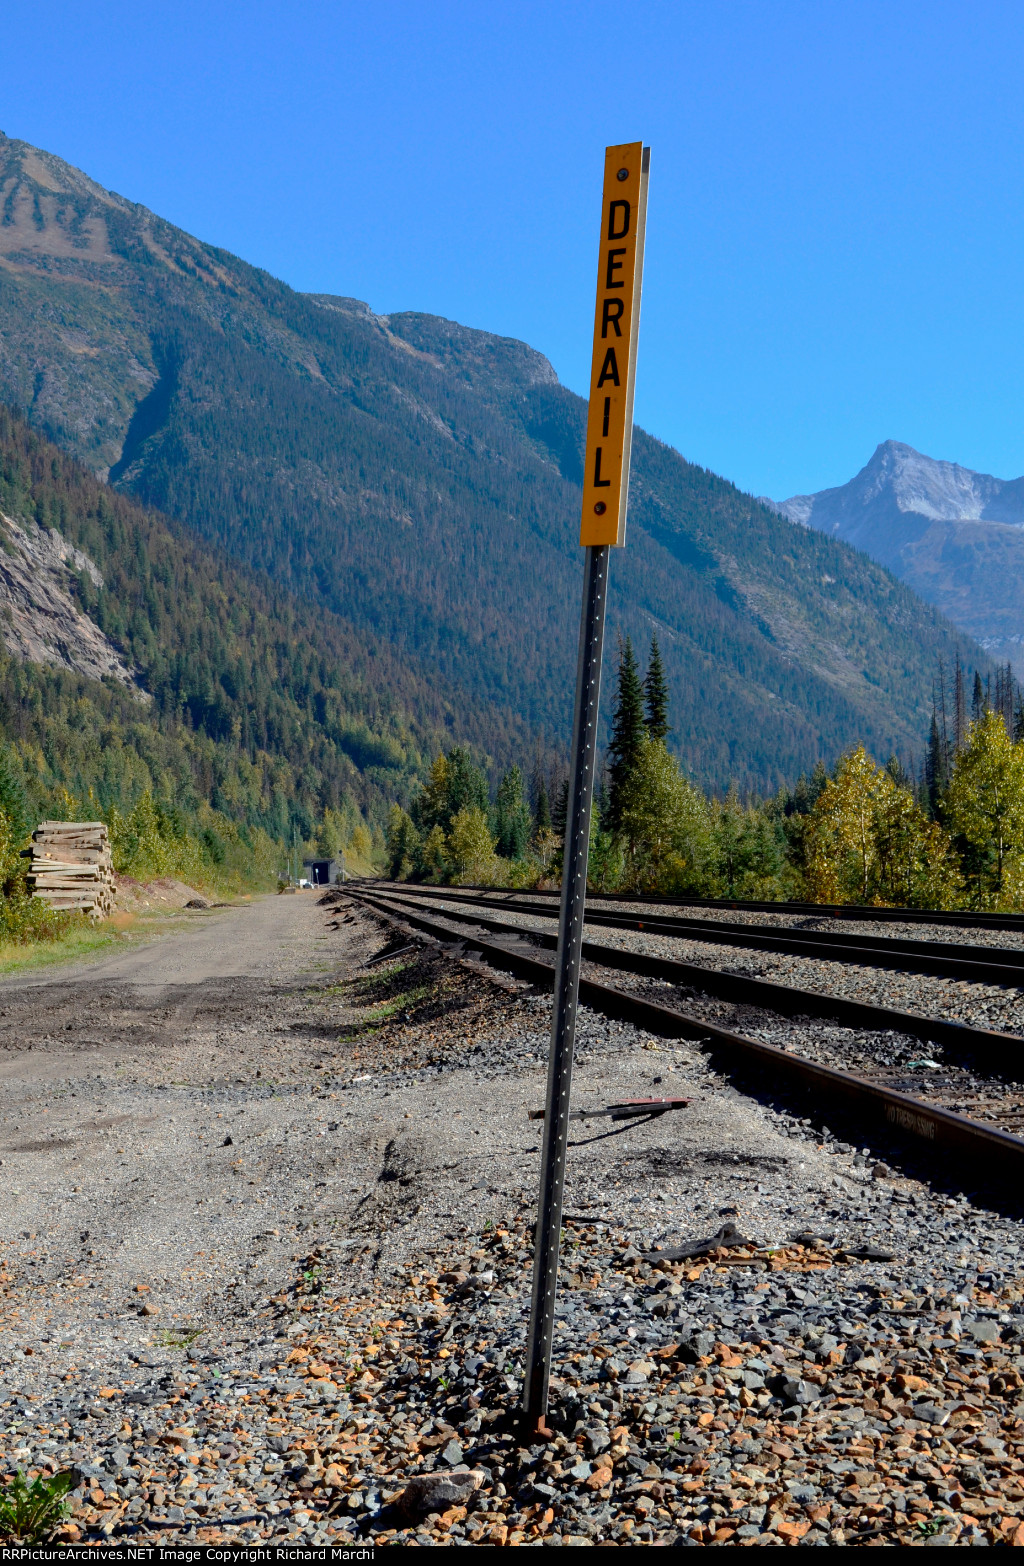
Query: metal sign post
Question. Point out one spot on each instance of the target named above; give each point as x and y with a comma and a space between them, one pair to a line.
605, 492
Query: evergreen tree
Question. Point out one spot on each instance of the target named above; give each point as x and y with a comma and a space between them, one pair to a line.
936, 765
542, 814
511, 817
1004, 695
959, 708
656, 695
402, 842
467, 786
455, 784
1009, 695
627, 732
806, 791
979, 704
12, 795
560, 813
939, 709
899, 773
749, 850
601, 804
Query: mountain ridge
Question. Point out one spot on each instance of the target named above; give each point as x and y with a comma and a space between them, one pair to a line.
421, 480
953, 534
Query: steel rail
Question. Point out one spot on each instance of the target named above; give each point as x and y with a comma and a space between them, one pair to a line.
967, 918
952, 960
998, 1051
940, 1128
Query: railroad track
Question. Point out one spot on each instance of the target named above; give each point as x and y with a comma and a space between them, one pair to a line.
901, 1100
944, 959
994, 1050
967, 919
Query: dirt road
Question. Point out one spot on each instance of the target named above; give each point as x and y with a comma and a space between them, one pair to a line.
132, 1092
258, 1198
179, 1116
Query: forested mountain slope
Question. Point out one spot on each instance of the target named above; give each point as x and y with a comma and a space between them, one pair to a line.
223, 689
421, 480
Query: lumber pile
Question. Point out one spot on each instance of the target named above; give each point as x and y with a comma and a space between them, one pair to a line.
71, 866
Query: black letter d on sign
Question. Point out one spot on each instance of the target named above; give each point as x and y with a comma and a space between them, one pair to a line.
622, 208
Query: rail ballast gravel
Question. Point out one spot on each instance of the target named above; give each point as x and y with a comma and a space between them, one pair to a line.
996, 1051
969, 919
999, 1151
944, 960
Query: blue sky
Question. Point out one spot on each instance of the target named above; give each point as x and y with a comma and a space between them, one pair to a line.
835, 224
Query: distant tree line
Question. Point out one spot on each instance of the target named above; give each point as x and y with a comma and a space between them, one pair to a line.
950, 836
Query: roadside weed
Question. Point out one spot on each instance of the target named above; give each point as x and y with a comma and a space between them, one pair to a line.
29, 1512
178, 1337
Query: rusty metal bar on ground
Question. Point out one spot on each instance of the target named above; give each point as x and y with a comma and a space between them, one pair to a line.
625, 1111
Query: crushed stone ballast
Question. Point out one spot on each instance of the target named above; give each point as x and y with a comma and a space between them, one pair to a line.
1000, 1151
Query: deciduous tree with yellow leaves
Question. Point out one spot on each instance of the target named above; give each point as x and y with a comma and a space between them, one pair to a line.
868, 841
470, 847
984, 810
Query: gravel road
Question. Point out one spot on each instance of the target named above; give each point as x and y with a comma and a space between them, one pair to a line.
265, 1224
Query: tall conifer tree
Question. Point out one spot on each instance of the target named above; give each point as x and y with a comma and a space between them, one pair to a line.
959, 708
627, 731
936, 764
12, 795
511, 816
560, 813
542, 814
656, 695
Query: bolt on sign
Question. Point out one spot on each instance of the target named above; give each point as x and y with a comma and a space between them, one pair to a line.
616, 321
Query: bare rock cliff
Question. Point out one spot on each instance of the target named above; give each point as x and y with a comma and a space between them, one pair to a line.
39, 620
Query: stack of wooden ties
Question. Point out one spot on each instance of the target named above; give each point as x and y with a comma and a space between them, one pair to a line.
71, 866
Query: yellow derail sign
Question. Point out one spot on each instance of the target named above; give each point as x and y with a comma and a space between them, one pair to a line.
616, 323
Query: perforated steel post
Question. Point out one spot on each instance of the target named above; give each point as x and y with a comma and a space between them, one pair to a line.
567, 983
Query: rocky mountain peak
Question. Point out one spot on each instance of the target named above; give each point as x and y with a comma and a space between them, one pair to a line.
944, 491
22, 163
955, 535
898, 478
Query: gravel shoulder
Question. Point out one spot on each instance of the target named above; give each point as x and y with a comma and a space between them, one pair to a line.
265, 1226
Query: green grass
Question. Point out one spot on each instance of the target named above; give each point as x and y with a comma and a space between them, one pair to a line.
178, 1337
86, 942
364, 985
370, 1022
385, 1009
83, 941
